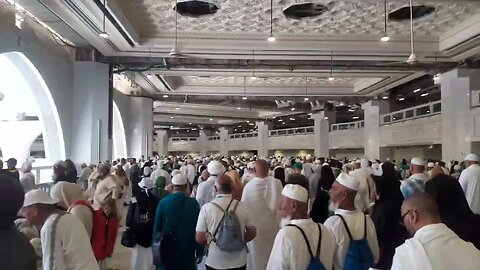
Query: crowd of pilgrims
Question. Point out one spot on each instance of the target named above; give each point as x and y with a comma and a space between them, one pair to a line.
288, 213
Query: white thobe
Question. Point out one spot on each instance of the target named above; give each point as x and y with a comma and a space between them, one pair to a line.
470, 182
290, 251
72, 249
355, 222
365, 194
206, 191
161, 172
191, 173
262, 196
142, 258
126, 168
308, 170
436, 247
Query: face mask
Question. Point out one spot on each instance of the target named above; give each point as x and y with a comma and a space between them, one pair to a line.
285, 221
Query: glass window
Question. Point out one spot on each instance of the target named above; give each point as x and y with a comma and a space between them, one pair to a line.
437, 107
409, 114
334, 127
397, 116
423, 110
386, 119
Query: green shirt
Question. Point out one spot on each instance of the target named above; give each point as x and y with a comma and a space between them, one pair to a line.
168, 214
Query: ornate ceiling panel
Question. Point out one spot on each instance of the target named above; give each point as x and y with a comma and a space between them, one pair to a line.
261, 81
243, 18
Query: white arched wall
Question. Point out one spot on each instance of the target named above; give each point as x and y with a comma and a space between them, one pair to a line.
17, 69
118, 137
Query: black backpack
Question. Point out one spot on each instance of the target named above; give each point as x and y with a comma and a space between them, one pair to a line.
165, 244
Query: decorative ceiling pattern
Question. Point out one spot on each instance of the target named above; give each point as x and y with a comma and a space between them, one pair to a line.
238, 18
262, 81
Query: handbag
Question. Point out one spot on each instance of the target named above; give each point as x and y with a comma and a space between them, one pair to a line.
128, 239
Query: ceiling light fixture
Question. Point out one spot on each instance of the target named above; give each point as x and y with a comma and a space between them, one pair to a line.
104, 33
385, 97
355, 117
401, 99
177, 108
271, 38
149, 76
189, 123
248, 121
424, 95
385, 37
171, 117
238, 108
165, 96
416, 90
292, 119
211, 119
292, 109
331, 78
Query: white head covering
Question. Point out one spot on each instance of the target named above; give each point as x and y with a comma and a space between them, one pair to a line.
472, 157
377, 169
364, 163
147, 171
37, 196
215, 168
295, 192
348, 181
417, 161
175, 172
430, 165
179, 180
66, 193
146, 183
457, 168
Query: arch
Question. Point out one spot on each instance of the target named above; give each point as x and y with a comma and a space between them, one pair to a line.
16, 66
118, 136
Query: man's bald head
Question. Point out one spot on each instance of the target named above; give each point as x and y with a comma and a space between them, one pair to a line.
419, 210
261, 168
223, 183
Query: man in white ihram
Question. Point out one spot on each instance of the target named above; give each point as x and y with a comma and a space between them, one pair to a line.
470, 182
342, 197
160, 172
261, 196
433, 245
206, 189
290, 250
65, 242
366, 190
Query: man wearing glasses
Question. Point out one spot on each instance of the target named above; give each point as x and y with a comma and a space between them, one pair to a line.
433, 245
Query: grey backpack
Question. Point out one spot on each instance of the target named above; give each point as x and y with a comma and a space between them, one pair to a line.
228, 235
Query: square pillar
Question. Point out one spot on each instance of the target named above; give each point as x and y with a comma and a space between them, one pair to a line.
202, 143
372, 111
262, 145
321, 127
223, 141
162, 142
458, 121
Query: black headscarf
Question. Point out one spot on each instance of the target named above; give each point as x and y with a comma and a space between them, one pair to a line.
454, 209
11, 200
279, 173
326, 178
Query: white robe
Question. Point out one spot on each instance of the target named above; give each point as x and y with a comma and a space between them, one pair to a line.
470, 182
262, 197
365, 194
206, 191
436, 247
142, 258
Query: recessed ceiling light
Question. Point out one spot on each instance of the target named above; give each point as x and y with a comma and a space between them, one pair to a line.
188, 130
351, 110
401, 99
251, 124
104, 34
149, 76
331, 78
385, 97
272, 39
424, 94
177, 108
171, 126
165, 96
306, 99
248, 121
243, 130
177, 132
326, 118
211, 119
356, 117
244, 98
189, 123
280, 120
239, 126
292, 109
253, 77
283, 123
171, 117
274, 117
292, 119
416, 90
239, 108
385, 39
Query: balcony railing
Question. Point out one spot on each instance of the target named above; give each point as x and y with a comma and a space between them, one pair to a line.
183, 139
244, 135
213, 138
347, 126
420, 111
291, 131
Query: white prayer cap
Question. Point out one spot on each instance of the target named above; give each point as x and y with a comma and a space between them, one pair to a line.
179, 180
325, 164
357, 161
457, 167
37, 196
364, 163
430, 165
471, 157
160, 164
146, 183
348, 181
147, 170
317, 161
417, 161
215, 168
250, 165
175, 172
295, 192
308, 156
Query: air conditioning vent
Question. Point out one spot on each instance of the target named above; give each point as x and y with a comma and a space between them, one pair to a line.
194, 8
306, 10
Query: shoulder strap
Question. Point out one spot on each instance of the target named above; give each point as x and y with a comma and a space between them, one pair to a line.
52, 244
319, 240
346, 226
304, 237
221, 220
365, 226
80, 202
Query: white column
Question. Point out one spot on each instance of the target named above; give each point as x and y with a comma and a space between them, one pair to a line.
223, 141
321, 127
139, 135
16, 138
458, 121
202, 143
262, 145
372, 111
162, 142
